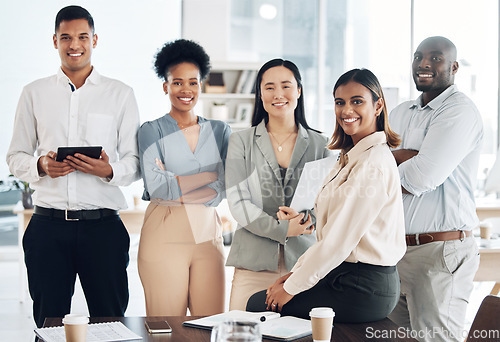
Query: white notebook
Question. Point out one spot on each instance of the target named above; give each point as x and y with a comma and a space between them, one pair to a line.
310, 181
96, 332
272, 325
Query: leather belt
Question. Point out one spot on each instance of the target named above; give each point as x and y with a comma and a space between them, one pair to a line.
421, 239
75, 215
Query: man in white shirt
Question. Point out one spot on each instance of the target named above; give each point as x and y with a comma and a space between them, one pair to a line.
441, 133
75, 228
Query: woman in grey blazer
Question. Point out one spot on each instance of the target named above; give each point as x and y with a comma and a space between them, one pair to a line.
263, 167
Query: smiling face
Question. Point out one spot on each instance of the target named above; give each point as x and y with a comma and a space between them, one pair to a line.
279, 92
355, 110
75, 41
183, 87
434, 66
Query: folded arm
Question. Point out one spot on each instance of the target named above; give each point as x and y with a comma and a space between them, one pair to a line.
451, 135
219, 186
193, 187
401, 156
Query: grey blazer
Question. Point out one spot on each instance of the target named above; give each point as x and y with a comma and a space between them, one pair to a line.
255, 190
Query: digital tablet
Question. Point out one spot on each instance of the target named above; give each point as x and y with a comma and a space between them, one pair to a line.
90, 151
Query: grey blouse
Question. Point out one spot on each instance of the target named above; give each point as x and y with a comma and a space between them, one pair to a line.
163, 139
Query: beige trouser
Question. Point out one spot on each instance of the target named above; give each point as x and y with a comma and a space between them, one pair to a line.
246, 283
436, 282
177, 273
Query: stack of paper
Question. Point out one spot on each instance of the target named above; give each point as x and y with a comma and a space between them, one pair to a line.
96, 332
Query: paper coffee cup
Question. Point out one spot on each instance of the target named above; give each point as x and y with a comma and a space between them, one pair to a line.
137, 202
321, 323
485, 230
75, 327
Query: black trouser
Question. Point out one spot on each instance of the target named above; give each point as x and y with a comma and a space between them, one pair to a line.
55, 251
357, 293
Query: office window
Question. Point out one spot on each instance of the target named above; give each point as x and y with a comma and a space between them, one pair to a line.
357, 33
473, 28
376, 35
263, 30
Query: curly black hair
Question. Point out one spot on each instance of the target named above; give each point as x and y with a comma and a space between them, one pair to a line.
180, 51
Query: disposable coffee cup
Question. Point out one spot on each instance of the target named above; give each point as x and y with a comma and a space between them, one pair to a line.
485, 230
75, 327
137, 202
321, 323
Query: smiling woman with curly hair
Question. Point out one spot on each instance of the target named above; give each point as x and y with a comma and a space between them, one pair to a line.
181, 260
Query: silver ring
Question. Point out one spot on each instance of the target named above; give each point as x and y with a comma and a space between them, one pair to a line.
274, 304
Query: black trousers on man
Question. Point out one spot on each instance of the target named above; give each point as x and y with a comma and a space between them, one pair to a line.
56, 250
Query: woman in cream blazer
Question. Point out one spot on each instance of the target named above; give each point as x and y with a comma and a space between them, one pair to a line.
263, 167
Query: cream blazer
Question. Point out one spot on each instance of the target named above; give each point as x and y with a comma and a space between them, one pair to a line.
255, 191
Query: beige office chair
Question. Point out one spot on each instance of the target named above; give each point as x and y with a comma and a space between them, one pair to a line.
486, 324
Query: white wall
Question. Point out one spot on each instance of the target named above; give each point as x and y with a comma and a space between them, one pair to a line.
129, 31
207, 23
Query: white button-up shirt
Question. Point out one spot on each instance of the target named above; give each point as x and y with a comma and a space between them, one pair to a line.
448, 134
49, 115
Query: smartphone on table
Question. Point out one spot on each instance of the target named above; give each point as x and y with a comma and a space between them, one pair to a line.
155, 327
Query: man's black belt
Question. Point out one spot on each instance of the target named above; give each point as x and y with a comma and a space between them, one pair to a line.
75, 215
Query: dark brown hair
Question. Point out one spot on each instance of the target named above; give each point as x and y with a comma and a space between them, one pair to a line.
340, 140
73, 12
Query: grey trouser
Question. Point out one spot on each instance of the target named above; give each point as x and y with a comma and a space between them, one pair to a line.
436, 282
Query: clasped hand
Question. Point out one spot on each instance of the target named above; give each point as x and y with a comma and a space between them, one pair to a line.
295, 226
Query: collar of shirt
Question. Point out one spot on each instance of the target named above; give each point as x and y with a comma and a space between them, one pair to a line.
172, 121
438, 101
94, 77
363, 145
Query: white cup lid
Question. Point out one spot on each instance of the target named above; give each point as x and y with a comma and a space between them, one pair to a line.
486, 224
75, 319
322, 312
